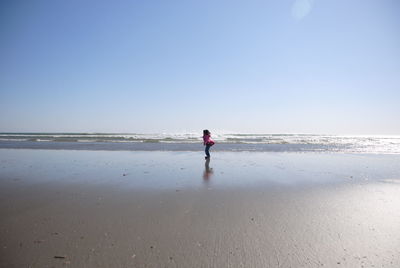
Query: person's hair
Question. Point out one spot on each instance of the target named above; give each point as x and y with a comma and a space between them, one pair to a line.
206, 132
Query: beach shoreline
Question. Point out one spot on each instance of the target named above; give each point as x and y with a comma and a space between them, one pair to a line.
171, 209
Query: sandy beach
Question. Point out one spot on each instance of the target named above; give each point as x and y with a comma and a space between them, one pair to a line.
65, 208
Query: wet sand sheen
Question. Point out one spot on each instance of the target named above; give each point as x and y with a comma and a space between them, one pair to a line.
136, 209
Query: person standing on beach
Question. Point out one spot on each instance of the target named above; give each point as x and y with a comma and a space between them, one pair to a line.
208, 142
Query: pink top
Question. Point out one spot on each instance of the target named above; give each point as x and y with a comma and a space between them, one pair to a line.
207, 140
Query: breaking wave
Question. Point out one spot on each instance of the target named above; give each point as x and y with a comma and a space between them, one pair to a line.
263, 142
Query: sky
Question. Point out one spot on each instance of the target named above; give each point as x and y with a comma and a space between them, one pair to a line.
287, 66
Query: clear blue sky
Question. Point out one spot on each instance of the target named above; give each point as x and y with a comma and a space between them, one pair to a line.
284, 66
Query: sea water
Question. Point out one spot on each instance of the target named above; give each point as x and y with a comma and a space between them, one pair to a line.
193, 142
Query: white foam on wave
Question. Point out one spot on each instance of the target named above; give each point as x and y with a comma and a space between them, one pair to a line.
347, 143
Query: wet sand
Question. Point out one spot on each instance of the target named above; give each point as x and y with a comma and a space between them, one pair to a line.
173, 209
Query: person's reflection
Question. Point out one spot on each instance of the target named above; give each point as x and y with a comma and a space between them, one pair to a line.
208, 172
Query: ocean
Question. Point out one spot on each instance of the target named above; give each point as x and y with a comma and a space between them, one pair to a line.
193, 142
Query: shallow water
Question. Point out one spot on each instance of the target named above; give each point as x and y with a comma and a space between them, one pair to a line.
178, 170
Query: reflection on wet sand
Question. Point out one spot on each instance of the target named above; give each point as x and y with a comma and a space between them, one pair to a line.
208, 172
